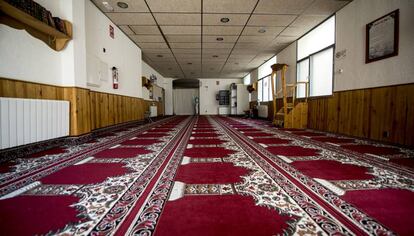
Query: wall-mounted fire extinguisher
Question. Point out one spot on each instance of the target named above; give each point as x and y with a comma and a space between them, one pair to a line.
115, 77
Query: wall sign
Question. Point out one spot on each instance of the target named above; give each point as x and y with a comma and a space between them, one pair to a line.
382, 37
111, 31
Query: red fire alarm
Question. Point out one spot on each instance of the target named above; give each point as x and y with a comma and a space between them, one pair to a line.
111, 31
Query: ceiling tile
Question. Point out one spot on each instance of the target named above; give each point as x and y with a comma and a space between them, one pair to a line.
156, 50
325, 7
228, 6
294, 31
175, 5
282, 6
181, 29
159, 56
217, 51
222, 30
239, 51
145, 29
131, 18
306, 21
255, 39
126, 29
185, 45
256, 45
187, 50
147, 38
152, 45
269, 31
183, 38
177, 19
284, 39
235, 19
271, 20
133, 6
186, 56
218, 45
213, 39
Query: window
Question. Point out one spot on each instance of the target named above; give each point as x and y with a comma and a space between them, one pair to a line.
302, 70
315, 60
246, 80
259, 91
264, 91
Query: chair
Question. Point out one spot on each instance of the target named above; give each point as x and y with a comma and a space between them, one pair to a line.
147, 116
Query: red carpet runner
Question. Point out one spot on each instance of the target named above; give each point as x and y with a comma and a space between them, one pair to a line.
210, 176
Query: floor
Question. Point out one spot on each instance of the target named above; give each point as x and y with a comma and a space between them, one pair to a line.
210, 175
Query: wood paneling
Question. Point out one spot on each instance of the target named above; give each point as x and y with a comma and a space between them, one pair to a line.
384, 114
89, 110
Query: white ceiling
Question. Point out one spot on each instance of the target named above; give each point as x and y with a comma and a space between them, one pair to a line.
178, 38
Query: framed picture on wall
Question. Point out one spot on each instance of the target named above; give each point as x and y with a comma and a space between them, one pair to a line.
382, 37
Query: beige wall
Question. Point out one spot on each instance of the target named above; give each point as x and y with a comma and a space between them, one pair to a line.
350, 36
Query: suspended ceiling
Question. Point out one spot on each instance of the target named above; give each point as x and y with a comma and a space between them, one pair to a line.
187, 39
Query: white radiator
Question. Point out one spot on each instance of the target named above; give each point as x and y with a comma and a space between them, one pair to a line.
262, 110
24, 121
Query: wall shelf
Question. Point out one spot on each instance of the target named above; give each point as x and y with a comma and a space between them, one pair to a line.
18, 19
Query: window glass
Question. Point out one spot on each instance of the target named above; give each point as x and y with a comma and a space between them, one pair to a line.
321, 72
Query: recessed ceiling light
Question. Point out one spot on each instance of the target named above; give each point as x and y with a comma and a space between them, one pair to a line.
160, 56
220, 39
262, 30
224, 20
122, 5
215, 56
108, 6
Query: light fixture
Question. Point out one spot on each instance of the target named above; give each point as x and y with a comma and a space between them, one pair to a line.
108, 6
122, 5
224, 20
220, 39
262, 30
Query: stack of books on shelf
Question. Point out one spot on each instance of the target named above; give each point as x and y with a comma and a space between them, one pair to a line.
37, 11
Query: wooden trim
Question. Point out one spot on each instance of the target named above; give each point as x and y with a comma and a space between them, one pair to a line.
89, 110
384, 114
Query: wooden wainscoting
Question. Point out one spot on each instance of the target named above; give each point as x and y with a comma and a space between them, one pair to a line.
89, 110
384, 114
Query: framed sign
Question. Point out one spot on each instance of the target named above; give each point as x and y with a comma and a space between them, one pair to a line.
111, 31
382, 37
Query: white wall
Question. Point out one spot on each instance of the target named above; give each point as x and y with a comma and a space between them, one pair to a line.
121, 52
168, 86
208, 90
147, 71
288, 56
350, 36
163, 82
26, 58
253, 78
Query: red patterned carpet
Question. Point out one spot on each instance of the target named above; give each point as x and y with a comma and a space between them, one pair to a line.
210, 176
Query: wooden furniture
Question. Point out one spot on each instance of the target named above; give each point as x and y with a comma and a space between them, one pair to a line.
18, 19
292, 114
146, 82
